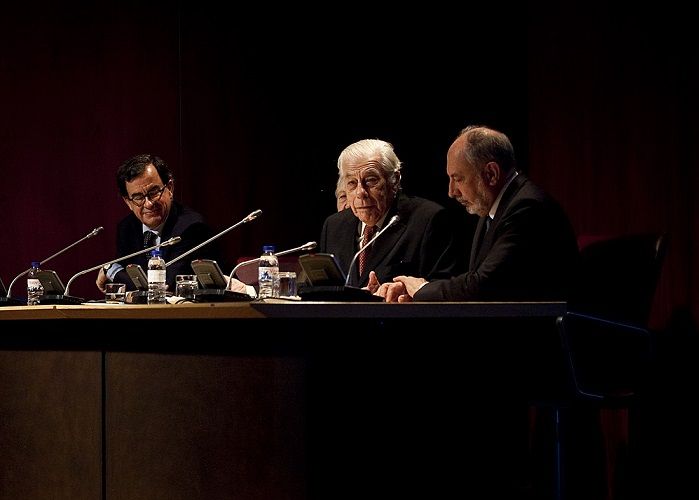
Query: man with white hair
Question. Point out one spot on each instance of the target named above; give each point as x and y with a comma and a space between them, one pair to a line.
422, 242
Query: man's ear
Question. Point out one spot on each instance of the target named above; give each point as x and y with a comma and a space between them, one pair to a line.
396, 178
492, 173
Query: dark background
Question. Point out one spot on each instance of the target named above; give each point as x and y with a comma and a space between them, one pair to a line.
251, 107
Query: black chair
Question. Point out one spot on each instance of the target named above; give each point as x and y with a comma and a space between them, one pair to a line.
608, 353
608, 360
618, 277
610, 365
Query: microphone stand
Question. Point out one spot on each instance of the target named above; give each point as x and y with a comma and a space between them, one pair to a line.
346, 293
139, 296
393, 220
10, 301
306, 246
250, 217
67, 299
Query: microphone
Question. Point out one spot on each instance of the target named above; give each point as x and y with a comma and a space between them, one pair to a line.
393, 220
92, 233
306, 246
254, 215
171, 241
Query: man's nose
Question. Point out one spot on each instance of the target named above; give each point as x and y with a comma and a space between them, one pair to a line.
452, 191
361, 190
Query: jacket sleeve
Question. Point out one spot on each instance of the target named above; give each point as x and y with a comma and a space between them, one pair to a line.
528, 260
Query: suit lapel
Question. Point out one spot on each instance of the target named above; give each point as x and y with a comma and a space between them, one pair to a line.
169, 251
483, 242
478, 245
135, 242
346, 238
382, 247
385, 243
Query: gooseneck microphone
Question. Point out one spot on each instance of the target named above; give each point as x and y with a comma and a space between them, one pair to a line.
306, 246
393, 220
171, 241
254, 215
92, 233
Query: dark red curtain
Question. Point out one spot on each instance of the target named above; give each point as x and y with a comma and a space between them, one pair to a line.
612, 132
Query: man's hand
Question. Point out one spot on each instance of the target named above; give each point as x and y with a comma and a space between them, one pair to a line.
235, 285
101, 280
373, 284
402, 289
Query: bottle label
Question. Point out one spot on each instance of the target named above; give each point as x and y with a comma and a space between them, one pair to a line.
267, 277
267, 273
156, 275
34, 291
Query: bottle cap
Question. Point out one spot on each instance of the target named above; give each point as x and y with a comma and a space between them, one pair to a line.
268, 248
155, 253
35, 263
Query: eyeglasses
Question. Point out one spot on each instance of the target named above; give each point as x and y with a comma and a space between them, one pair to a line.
153, 195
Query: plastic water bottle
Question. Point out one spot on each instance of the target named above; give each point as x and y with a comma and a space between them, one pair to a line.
35, 291
157, 287
268, 273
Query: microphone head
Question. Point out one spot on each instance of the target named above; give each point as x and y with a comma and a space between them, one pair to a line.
96, 231
171, 241
394, 219
253, 215
309, 246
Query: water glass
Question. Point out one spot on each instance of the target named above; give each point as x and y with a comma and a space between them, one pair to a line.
186, 284
287, 284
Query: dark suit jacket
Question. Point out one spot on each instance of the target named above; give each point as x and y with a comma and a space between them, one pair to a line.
181, 221
529, 253
422, 243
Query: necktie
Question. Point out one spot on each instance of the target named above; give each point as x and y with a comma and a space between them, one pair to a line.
366, 237
478, 240
149, 239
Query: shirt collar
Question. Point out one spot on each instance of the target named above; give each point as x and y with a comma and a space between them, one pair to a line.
494, 208
378, 226
158, 230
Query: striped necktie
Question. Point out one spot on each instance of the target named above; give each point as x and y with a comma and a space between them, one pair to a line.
366, 237
149, 238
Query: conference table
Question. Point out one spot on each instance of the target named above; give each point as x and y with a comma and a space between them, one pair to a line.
261, 399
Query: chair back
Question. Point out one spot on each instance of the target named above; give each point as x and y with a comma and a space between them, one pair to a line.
603, 334
618, 277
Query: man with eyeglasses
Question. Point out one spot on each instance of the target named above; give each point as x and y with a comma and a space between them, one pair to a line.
146, 185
